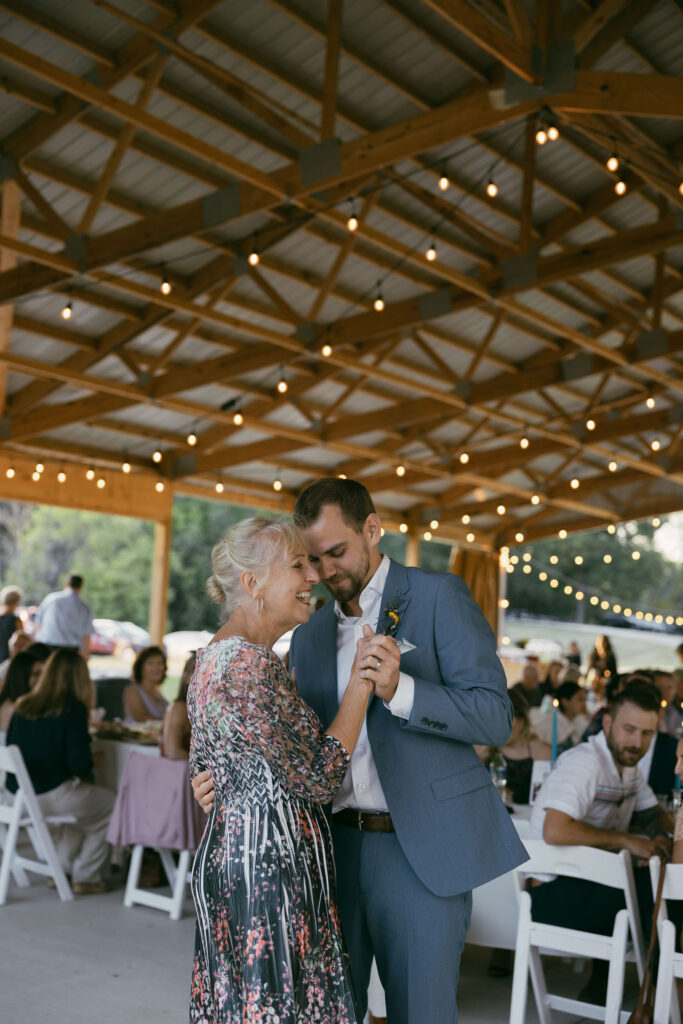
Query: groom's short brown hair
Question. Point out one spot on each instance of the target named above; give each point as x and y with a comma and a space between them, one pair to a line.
352, 498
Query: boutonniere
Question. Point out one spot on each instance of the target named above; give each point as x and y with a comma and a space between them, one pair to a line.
390, 617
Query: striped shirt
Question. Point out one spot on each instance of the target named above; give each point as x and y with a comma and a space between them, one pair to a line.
586, 785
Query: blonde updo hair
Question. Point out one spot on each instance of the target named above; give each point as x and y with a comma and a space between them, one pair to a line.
252, 545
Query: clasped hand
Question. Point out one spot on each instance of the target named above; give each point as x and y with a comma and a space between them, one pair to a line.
377, 662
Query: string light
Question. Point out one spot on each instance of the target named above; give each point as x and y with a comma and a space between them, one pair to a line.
101, 483
553, 132
464, 458
590, 424
67, 310
90, 475
620, 187
156, 456
444, 182
427, 535
35, 476
378, 304
503, 603
434, 525
524, 442
352, 223
554, 583
40, 468
431, 252
578, 559
165, 286
656, 522
650, 402
191, 439
541, 136
253, 258
535, 499
575, 483
159, 486
403, 527
612, 466
61, 476
680, 188
219, 487
282, 386
238, 419
470, 538
501, 510
553, 559
607, 559
635, 555
613, 163
562, 534
568, 589
519, 537
326, 351
491, 189
527, 569
595, 600
543, 576
655, 445
126, 467
400, 471
341, 476
277, 485
9, 473
466, 519
611, 528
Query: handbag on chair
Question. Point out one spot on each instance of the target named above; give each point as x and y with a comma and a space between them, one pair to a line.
644, 1011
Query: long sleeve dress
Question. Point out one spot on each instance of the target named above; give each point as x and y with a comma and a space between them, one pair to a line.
268, 948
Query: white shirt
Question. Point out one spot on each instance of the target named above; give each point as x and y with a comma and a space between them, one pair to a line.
361, 787
586, 785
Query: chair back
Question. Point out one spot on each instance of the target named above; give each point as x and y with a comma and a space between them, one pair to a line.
12, 763
673, 885
110, 696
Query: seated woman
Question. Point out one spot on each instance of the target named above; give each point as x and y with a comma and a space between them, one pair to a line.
50, 727
143, 699
175, 736
520, 751
572, 720
22, 677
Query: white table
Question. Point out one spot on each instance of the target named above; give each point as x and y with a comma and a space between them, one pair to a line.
110, 757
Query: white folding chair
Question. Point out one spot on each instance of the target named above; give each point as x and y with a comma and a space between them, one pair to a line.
610, 869
667, 1008
178, 878
23, 811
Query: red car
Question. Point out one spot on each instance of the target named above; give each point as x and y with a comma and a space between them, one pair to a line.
101, 644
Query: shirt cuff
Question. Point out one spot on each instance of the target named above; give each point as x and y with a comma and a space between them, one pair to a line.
401, 704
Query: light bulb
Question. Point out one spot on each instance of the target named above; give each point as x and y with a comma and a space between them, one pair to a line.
553, 132
126, 467
613, 466
590, 424
238, 419
378, 304
553, 559
352, 223
403, 527
192, 440
434, 525
282, 386
159, 486
165, 286
607, 559
253, 258
562, 534
635, 555
541, 137
492, 189
519, 537
655, 445
219, 487
443, 182
578, 559
680, 189
575, 483
156, 456
427, 535
9, 473
535, 499
620, 187
101, 482
656, 522
90, 475
465, 519
543, 576
650, 402
524, 442
61, 477
40, 468
277, 485
35, 476
326, 351
501, 510
400, 471
469, 538
611, 528
341, 476
431, 253
613, 163
67, 310
464, 458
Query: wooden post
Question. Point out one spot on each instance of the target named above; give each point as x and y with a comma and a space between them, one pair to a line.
9, 224
158, 600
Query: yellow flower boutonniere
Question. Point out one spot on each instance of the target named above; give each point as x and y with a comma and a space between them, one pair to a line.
390, 617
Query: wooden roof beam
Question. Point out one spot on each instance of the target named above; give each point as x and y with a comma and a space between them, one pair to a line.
489, 37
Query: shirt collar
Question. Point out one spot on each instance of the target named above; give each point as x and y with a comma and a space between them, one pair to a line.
371, 592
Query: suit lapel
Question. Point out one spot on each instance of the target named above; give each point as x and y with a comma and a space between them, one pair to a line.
396, 594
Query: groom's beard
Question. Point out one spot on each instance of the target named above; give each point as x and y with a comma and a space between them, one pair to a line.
345, 588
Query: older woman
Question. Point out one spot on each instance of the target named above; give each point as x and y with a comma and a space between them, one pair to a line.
143, 699
268, 933
50, 727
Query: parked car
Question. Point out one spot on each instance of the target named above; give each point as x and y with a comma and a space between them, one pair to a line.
179, 644
100, 643
126, 637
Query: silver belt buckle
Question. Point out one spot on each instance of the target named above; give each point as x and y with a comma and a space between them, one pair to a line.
360, 821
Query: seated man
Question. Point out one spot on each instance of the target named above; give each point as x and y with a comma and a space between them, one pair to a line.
596, 796
529, 686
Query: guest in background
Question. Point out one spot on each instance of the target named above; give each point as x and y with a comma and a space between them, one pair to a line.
520, 751
552, 678
602, 664
50, 727
572, 719
10, 599
613, 686
528, 686
19, 641
22, 677
143, 699
574, 654
175, 737
670, 720
64, 619
679, 652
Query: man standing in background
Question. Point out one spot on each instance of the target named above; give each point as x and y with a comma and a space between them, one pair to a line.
64, 619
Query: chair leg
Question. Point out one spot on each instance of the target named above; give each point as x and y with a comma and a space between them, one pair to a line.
179, 885
133, 874
538, 984
665, 979
20, 877
10, 848
520, 974
615, 977
168, 864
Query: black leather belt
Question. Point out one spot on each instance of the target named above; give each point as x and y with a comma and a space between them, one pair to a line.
364, 821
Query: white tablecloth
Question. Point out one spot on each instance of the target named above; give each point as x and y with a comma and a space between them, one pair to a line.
110, 757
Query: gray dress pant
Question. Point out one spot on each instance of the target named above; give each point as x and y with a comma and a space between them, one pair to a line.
82, 848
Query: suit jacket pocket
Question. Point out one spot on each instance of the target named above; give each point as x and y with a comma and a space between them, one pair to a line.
463, 781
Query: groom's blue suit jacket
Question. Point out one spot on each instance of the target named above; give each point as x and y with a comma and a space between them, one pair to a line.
449, 819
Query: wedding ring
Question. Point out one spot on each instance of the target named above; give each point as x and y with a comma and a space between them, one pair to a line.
377, 665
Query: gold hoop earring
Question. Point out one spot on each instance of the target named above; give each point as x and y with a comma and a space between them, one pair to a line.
259, 605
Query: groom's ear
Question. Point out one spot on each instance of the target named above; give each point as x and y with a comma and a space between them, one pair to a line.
372, 528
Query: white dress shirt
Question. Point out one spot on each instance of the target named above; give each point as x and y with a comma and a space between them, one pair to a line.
361, 787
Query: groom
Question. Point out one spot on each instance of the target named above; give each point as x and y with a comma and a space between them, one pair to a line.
416, 823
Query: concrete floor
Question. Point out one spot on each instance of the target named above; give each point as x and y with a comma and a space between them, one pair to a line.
94, 960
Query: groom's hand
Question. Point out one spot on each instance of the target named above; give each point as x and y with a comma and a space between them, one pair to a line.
379, 659
202, 788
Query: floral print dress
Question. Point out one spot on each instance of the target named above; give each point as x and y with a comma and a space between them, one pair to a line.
268, 948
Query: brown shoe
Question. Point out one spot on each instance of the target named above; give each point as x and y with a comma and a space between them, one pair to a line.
88, 888
51, 884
